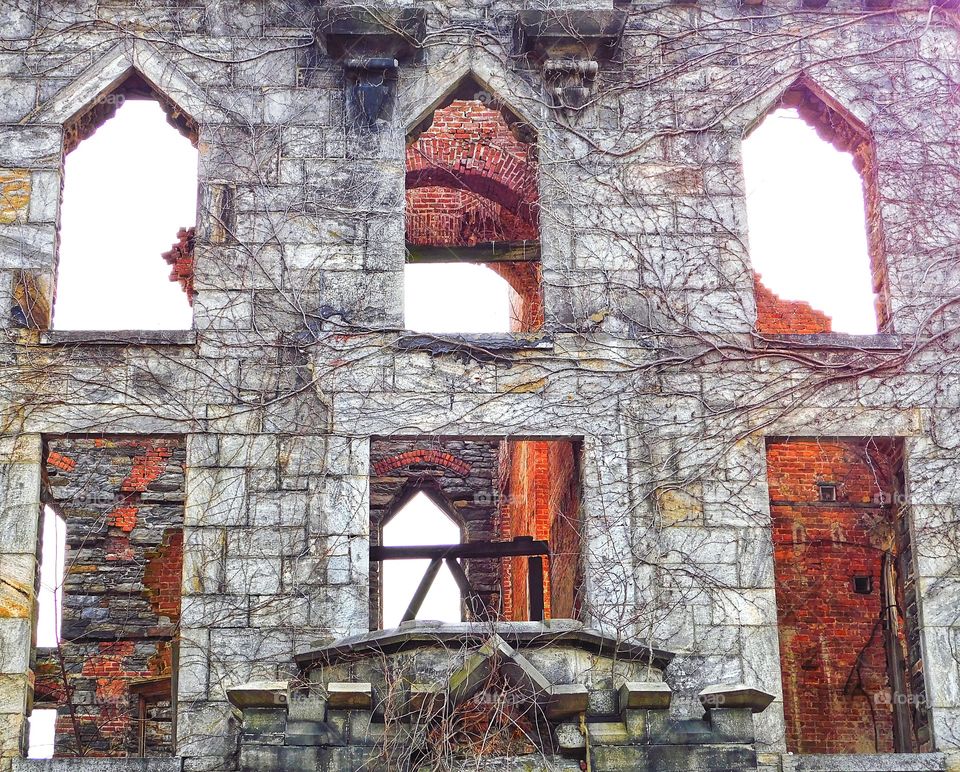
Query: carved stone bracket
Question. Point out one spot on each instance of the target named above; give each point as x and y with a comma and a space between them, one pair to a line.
569, 46
370, 43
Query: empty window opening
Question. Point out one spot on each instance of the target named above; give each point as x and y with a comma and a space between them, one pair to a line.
471, 201
419, 521
106, 669
50, 596
42, 729
509, 511
846, 598
807, 170
130, 192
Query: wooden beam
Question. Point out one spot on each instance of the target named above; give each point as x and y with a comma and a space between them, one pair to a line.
535, 587
467, 592
519, 547
422, 589
491, 252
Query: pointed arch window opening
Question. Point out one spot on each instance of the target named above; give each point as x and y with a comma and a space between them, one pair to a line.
814, 228
420, 520
130, 178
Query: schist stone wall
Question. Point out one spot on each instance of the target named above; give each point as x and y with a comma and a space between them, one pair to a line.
648, 349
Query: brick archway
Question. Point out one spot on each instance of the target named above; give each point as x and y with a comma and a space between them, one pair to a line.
469, 148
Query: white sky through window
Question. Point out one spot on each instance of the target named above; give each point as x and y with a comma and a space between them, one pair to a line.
455, 297
419, 521
807, 231
127, 190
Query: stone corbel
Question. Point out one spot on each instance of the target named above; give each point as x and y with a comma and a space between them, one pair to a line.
569, 47
370, 43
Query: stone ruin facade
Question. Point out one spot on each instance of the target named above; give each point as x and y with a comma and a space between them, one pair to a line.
699, 529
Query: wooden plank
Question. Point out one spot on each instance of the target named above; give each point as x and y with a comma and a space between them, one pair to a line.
467, 592
535, 587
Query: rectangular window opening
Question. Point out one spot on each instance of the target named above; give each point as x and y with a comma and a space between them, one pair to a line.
846, 597
471, 529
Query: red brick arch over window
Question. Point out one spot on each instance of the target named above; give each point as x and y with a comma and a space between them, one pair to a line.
469, 148
434, 457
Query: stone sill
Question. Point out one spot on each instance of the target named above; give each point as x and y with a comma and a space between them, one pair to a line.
857, 762
482, 346
839, 340
91, 764
118, 337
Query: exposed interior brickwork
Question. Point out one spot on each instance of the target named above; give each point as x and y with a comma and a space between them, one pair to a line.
786, 317
526, 298
542, 499
122, 502
460, 476
494, 490
470, 147
833, 655
180, 259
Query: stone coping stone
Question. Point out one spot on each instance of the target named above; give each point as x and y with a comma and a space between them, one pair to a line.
119, 337
864, 762
92, 764
421, 633
483, 347
840, 340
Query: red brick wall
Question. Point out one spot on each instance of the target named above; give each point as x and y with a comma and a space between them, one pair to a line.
784, 317
542, 501
471, 181
526, 302
832, 651
469, 147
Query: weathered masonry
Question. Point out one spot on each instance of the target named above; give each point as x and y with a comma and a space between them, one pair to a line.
698, 529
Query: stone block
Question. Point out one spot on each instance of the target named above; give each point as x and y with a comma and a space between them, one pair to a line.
736, 696
651, 695
350, 696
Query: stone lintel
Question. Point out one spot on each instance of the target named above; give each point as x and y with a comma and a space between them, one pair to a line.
350, 31
258, 694
549, 33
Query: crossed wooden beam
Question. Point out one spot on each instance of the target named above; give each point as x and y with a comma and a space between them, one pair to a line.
452, 554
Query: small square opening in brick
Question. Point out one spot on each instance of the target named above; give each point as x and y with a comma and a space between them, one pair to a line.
863, 585
827, 491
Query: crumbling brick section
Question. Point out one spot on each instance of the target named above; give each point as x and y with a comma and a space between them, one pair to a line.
786, 317
828, 558
180, 259
122, 502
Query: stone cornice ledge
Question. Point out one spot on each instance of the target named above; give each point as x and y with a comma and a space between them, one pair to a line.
118, 337
94, 764
418, 633
838, 340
